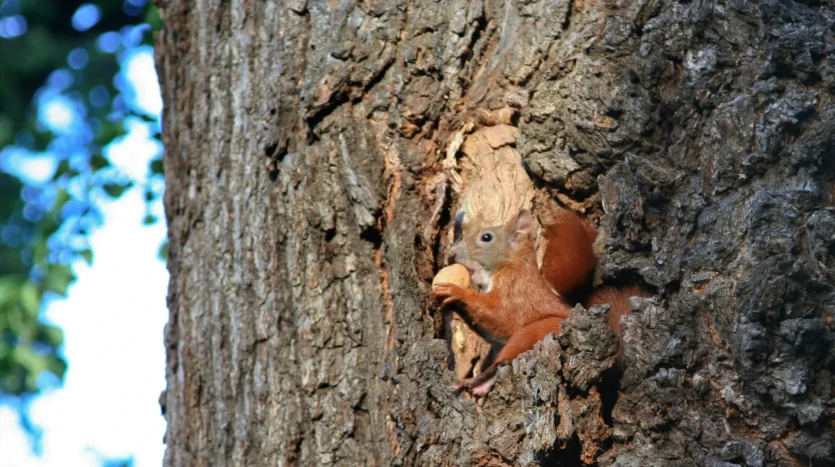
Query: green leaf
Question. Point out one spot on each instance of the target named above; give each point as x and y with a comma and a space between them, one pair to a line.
115, 190
98, 162
156, 166
55, 366
87, 255
39, 250
51, 335
58, 278
9, 285
63, 169
163, 251
147, 118
61, 198
153, 18
28, 358
6, 130
149, 220
108, 132
12, 381
30, 301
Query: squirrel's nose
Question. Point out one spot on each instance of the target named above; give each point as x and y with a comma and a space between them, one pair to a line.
451, 258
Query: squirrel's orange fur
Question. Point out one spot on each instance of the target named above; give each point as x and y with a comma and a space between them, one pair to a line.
568, 261
518, 296
516, 306
618, 299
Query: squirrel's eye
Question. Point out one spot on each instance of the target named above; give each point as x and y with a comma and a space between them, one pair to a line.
486, 237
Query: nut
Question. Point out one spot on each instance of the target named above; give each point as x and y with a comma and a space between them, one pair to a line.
453, 274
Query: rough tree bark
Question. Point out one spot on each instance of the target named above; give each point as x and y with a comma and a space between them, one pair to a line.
311, 154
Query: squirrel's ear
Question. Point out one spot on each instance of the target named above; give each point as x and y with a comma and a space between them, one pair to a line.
522, 226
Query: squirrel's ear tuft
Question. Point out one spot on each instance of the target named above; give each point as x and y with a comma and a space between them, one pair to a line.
522, 226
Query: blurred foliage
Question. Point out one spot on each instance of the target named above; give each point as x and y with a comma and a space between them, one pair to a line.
59, 56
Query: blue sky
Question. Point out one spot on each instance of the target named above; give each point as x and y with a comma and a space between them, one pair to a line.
113, 319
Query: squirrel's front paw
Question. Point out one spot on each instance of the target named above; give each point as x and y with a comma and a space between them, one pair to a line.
447, 294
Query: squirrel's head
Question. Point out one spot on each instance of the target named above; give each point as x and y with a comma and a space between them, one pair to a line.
482, 249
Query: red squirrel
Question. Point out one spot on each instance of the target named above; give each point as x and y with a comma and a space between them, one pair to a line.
516, 306
568, 264
568, 261
618, 299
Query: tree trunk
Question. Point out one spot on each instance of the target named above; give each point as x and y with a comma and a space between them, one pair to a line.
312, 149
